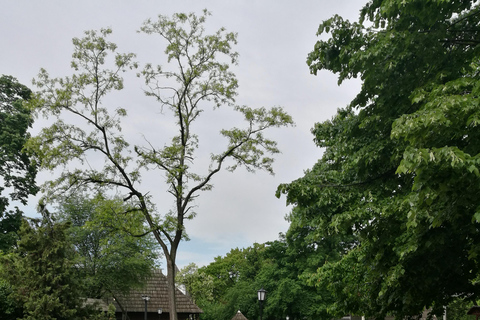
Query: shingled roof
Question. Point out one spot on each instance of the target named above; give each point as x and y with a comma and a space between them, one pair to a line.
239, 316
156, 288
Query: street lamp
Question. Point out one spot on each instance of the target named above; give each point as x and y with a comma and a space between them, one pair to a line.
261, 297
145, 298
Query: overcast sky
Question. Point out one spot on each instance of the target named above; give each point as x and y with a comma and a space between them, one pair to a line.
274, 38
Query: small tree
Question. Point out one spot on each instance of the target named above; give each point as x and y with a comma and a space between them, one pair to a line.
199, 286
109, 260
199, 79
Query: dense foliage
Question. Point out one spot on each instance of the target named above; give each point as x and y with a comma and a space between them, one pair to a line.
109, 260
386, 222
230, 283
76, 253
17, 171
40, 271
17, 175
282, 267
399, 178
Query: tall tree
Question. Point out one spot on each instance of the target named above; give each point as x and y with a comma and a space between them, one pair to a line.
400, 172
199, 79
17, 171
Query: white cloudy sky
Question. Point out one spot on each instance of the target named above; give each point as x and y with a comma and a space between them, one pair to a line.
274, 36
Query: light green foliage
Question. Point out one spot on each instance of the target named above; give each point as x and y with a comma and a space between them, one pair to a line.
86, 128
203, 76
458, 308
110, 260
199, 286
287, 295
82, 95
399, 178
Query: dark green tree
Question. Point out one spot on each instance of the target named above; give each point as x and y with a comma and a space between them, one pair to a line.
399, 178
41, 271
281, 267
287, 294
17, 172
234, 283
10, 308
286, 272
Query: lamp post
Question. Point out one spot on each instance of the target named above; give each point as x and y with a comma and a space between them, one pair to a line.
145, 298
261, 297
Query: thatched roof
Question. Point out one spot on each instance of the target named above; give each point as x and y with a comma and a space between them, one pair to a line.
156, 289
239, 316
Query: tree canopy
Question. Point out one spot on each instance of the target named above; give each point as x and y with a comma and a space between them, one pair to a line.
399, 178
109, 260
17, 171
199, 77
41, 272
282, 267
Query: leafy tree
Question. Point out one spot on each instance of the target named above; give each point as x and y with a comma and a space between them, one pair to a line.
279, 267
10, 223
400, 172
282, 267
9, 307
286, 271
41, 269
458, 308
200, 79
235, 283
109, 260
17, 172
199, 286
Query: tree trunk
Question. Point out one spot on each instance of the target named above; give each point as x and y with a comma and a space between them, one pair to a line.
172, 302
124, 312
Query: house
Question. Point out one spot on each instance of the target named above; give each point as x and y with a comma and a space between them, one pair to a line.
132, 305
